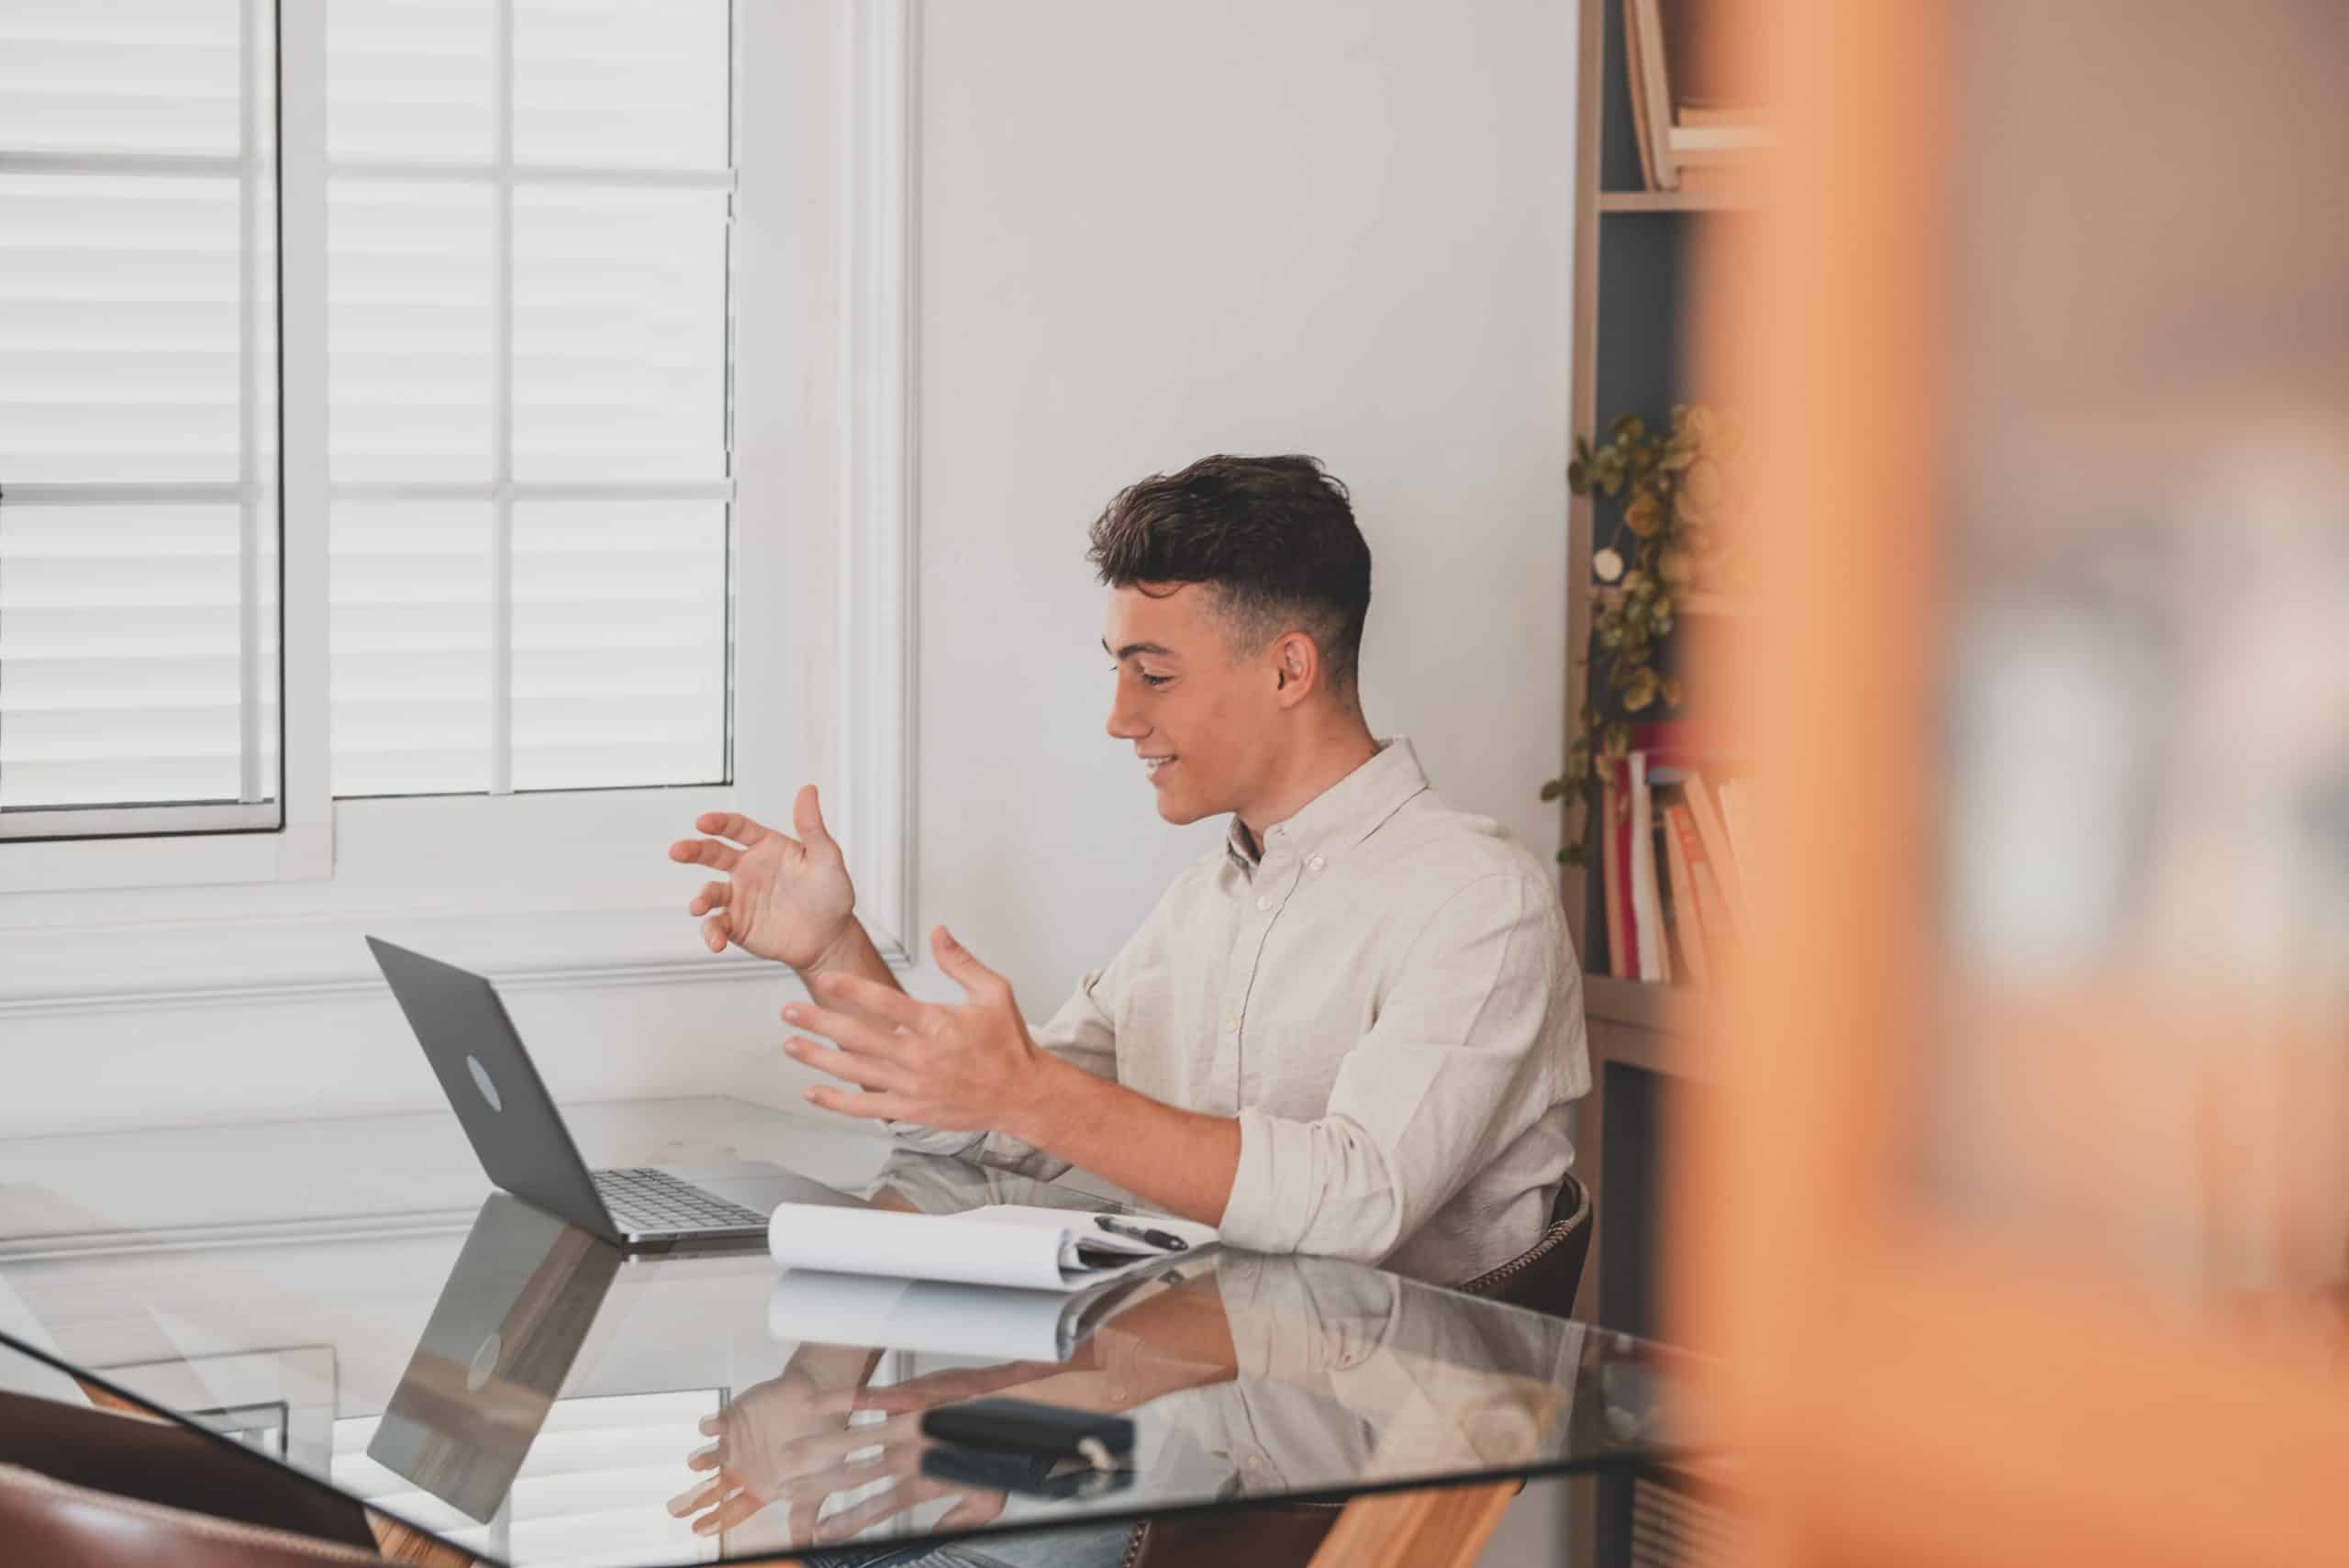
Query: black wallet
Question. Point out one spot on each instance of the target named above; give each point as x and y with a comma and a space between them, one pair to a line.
1024, 1427
1026, 1475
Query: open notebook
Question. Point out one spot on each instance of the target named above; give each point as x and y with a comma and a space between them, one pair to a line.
1011, 1244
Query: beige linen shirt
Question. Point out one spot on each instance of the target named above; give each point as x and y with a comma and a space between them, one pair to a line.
1386, 1000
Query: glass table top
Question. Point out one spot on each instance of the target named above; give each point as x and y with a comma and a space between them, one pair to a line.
348, 1299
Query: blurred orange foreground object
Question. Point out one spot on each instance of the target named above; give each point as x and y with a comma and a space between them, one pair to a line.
2024, 1230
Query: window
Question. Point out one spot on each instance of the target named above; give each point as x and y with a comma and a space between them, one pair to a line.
553, 334
528, 216
528, 219
138, 519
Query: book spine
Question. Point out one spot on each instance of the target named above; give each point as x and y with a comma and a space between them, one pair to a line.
1680, 850
1740, 832
1647, 901
1715, 834
1615, 887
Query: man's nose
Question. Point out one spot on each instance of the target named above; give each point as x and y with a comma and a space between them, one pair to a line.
1123, 724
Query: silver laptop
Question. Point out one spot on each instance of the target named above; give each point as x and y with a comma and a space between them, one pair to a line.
524, 1146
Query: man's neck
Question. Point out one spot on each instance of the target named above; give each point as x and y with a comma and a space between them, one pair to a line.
1303, 778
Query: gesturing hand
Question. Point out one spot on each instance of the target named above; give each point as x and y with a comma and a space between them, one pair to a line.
787, 899
960, 1067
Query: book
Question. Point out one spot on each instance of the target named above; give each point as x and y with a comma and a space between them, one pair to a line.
1699, 790
988, 1322
1001, 1244
1689, 924
1650, 92
1736, 814
1647, 899
1614, 856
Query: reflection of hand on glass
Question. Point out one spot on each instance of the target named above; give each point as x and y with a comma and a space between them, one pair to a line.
792, 1442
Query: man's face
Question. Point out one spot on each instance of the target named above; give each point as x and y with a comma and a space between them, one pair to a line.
1181, 696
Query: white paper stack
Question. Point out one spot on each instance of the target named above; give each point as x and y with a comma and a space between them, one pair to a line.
1006, 1244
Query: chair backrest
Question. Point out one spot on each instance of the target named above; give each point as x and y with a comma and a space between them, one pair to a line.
60, 1526
1547, 1275
172, 1466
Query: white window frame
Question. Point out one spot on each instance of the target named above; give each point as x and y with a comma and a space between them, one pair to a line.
574, 887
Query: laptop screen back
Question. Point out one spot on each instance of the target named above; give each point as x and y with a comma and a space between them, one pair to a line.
493, 1086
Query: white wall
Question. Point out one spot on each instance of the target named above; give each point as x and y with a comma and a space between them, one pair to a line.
1153, 231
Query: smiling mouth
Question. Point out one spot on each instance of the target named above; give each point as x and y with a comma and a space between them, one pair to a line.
1154, 766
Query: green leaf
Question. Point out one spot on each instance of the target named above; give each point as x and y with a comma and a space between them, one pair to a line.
1578, 477
1553, 789
1628, 428
1641, 690
1671, 690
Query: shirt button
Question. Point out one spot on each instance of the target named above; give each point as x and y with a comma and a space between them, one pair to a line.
1316, 863
1264, 901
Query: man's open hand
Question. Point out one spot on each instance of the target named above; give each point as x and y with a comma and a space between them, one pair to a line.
960, 1067
788, 899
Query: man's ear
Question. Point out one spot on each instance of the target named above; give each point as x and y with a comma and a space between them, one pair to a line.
1297, 666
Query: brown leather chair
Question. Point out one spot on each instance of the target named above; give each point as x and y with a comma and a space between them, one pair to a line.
173, 1467
58, 1525
1544, 1277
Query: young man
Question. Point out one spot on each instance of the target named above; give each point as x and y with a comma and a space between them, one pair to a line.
1354, 1029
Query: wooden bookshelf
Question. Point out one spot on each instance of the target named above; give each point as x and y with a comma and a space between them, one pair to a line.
1634, 328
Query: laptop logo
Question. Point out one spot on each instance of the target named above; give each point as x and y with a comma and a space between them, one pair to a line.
482, 1082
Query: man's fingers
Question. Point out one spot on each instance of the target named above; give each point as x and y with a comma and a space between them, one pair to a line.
975, 1510
871, 996
733, 824
700, 1494
984, 984
729, 1513
807, 820
865, 1106
713, 896
851, 1034
704, 852
714, 934
861, 1071
909, 1493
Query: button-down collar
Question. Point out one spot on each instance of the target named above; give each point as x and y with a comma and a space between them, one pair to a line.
1343, 813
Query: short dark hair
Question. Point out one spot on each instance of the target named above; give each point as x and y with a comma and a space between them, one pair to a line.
1274, 536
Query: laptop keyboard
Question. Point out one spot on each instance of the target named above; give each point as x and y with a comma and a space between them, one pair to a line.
644, 1200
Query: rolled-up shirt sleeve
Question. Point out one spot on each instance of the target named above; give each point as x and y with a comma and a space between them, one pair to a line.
1459, 1061
1082, 1034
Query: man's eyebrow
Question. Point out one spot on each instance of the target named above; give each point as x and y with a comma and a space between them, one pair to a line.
1131, 648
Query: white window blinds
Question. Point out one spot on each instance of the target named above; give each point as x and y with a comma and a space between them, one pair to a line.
528, 211
139, 375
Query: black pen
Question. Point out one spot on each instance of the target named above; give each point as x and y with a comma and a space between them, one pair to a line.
1165, 1239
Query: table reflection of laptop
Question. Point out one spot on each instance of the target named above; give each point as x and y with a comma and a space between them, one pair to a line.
501, 1340
497, 1094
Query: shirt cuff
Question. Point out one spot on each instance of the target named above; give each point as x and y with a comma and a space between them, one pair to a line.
1270, 1150
930, 1140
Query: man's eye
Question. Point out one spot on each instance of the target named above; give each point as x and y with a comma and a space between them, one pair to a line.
1156, 680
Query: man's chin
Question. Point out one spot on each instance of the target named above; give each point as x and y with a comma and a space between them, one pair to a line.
1177, 811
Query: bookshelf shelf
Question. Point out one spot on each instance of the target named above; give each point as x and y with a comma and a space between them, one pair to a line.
1640, 1003
1713, 199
